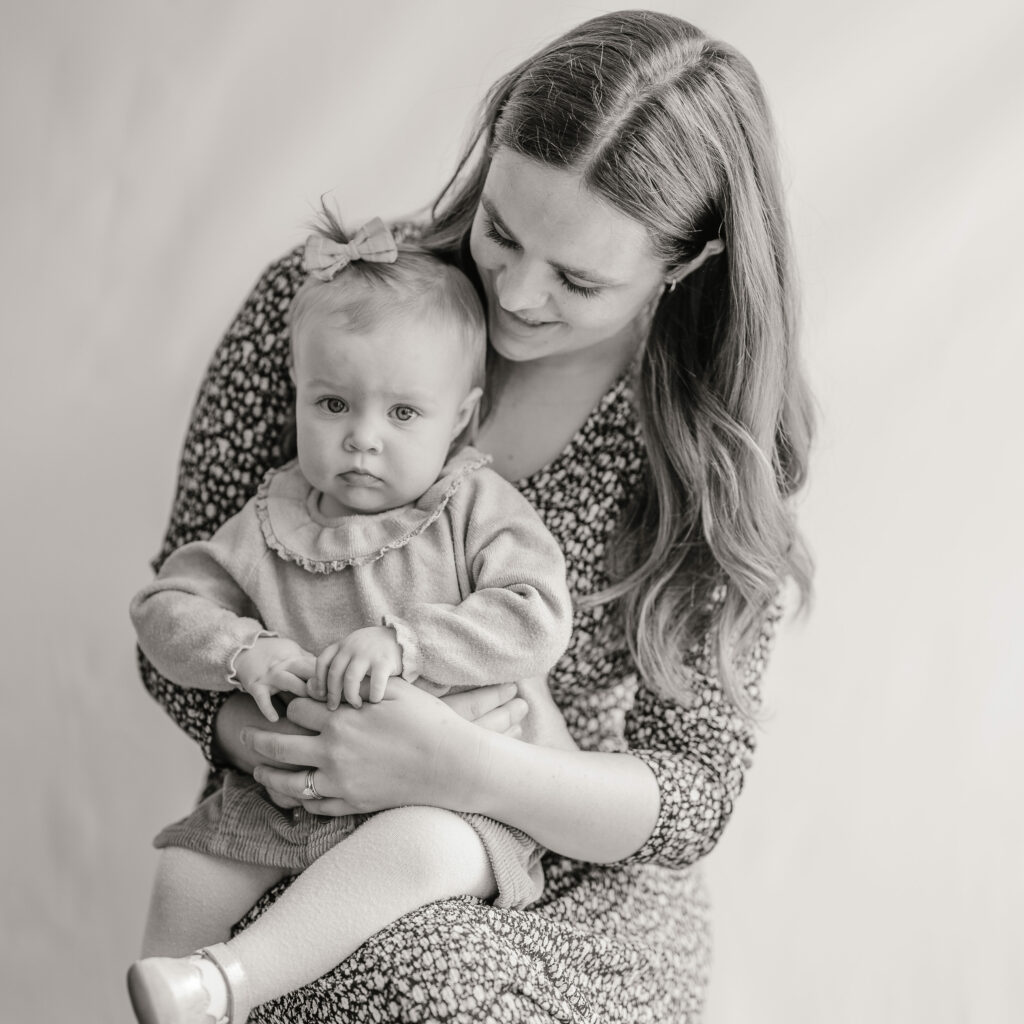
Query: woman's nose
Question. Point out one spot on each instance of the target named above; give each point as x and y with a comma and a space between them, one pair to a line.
520, 286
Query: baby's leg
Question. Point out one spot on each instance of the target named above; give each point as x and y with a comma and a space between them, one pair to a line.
392, 864
197, 898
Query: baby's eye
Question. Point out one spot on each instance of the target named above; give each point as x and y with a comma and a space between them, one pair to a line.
332, 404
404, 413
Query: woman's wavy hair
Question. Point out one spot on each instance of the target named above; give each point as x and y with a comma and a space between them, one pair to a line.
673, 129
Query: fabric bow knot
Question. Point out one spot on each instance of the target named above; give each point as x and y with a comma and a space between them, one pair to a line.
323, 258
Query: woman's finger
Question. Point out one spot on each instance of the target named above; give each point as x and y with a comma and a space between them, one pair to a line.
282, 782
475, 704
286, 789
330, 808
309, 714
506, 718
281, 800
281, 748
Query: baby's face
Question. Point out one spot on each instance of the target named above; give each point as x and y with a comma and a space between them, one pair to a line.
377, 410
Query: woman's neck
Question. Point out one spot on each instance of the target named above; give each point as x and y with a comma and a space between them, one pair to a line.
539, 405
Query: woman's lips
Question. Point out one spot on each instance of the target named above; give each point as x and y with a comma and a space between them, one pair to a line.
518, 322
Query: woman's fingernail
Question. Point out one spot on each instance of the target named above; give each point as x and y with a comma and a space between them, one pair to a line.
245, 737
257, 772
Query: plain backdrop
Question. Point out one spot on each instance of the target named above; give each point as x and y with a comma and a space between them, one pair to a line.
155, 156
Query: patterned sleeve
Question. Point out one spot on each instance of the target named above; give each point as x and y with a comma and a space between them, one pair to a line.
698, 752
233, 438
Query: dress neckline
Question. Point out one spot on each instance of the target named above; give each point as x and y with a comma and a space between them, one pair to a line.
618, 389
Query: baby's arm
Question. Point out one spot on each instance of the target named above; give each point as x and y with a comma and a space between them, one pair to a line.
198, 626
517, 620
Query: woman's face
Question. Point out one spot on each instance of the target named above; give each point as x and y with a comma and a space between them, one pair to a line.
565, 273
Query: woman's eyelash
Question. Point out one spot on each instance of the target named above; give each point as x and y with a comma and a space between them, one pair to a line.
495, 236
579, 289
506, 243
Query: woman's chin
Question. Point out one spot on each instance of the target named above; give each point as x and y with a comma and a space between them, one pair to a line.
520, 344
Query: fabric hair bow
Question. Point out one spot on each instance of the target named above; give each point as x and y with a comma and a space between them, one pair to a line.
373, 242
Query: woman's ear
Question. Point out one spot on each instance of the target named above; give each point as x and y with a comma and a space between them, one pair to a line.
712, 248
466, 410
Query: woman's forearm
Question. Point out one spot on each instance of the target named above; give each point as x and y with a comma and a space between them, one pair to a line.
589, 805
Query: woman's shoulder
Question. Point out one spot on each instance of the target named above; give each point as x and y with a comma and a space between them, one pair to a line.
276, 286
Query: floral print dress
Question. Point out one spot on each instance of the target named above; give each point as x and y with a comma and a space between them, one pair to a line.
623, 943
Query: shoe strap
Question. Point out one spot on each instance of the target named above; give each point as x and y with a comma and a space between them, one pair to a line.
239, 1000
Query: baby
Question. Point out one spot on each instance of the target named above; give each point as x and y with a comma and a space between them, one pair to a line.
385, 549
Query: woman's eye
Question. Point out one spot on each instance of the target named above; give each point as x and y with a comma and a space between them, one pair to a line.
587, 291
333, 405
492, 232
404, 413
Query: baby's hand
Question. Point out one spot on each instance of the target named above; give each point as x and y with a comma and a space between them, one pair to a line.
341, 667
273, 665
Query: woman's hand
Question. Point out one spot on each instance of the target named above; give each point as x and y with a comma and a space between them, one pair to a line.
347, 747
410, 748
544, 725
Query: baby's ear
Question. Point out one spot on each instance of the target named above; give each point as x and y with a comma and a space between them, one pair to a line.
466, 410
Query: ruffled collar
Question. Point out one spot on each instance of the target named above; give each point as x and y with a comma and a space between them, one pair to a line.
293, 527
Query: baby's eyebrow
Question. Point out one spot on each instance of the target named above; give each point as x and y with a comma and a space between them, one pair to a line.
409, 397
585, 275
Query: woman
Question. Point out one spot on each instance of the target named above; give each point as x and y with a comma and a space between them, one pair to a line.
622, 212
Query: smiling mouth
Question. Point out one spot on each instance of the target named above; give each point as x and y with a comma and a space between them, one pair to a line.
522, 321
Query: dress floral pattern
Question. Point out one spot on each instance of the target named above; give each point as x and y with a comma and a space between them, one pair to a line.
623, 943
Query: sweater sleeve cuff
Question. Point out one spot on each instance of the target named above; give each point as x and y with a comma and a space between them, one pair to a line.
412, 665
232, 677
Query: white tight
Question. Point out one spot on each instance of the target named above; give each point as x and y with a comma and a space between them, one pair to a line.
392, 864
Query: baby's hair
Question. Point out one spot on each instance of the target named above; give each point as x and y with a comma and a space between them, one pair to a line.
367, 294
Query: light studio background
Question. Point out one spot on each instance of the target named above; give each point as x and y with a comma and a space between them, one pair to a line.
156, 155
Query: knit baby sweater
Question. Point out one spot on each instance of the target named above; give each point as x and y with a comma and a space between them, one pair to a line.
468, 576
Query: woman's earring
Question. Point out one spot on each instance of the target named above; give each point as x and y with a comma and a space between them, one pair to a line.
670, 286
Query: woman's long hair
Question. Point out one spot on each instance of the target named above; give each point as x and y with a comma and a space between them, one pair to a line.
673, 129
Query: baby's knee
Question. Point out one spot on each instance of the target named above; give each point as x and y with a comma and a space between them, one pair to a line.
433, 844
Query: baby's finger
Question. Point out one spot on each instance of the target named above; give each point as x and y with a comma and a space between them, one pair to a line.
354, 675
352, 692
335, 675
323, 663
303, 665
264, 702
288, 682
334, 691
379, 676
